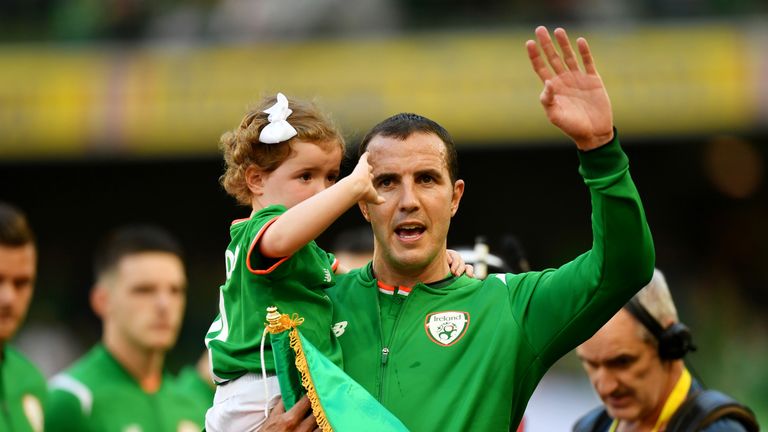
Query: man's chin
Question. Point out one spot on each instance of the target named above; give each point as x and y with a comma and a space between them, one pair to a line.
160, 343
156, 346
7, 329
622, 412
411, 260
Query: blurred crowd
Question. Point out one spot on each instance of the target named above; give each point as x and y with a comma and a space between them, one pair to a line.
211, 20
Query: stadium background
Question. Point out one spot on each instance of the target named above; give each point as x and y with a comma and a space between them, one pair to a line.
110, 112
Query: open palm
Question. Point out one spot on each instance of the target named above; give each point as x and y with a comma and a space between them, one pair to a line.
574, 100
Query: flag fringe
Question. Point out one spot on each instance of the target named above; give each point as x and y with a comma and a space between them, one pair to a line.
306, 381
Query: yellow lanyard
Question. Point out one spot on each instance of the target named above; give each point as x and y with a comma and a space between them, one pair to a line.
675, 399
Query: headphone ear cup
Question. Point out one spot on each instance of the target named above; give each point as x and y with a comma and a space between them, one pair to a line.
675, 341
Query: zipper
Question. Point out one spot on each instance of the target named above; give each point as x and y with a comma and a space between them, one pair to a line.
387, 350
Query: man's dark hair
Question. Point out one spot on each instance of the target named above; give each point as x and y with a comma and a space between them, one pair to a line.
403, 125
14, 228
130, 240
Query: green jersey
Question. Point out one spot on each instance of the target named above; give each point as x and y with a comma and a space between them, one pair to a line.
97, 394
294, 284
466, 354
22, 393
191, 383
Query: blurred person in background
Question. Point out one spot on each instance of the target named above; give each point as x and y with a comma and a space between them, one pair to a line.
22, 386
635, 363
353, 247
507, 257
120, 384
416, 350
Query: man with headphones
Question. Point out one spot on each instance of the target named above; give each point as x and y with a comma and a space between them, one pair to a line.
635, 364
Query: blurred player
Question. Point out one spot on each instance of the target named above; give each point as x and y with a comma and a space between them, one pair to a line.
140, 294
22, 386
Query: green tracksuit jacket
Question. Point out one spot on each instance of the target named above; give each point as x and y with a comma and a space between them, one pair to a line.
466, 354
22, 393
97, 394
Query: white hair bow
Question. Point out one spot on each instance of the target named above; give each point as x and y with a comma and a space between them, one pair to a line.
278, 129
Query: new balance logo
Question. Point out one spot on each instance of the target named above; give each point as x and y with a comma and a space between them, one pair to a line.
339, 327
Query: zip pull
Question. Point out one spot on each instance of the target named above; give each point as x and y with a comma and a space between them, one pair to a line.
384, 355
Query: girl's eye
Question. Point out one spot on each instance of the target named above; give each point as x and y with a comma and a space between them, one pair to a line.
306, 177
333, 178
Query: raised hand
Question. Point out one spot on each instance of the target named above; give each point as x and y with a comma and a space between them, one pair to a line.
574, 100
363, 174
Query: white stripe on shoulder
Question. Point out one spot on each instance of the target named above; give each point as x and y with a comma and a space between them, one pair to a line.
69, 384
502, 277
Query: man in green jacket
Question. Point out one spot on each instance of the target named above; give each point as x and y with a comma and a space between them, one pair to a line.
448, 353
22, 386
120, 384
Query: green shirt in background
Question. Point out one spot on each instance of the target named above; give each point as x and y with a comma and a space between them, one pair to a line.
295, 284
97, 394
465, 354
192, 384
22, 393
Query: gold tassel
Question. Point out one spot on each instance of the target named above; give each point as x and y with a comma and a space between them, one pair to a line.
278, 323
306, 381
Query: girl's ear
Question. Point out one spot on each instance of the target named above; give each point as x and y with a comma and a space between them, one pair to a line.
254, 178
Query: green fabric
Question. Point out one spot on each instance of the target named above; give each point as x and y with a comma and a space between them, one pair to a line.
389, 305
287, 375
295, 285
515, 325
22, 392
347, 406
191, 383
97, 394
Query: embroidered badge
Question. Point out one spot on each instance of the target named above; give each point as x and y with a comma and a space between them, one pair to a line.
446, 328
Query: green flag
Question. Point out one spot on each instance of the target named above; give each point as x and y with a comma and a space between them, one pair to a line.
338, 402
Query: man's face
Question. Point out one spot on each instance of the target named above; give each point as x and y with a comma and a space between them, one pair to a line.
625, 370
17, 277
144, 300
411, 227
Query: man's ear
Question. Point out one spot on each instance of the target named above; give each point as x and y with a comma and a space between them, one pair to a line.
99, 299
458, 192
254, 178
364, 209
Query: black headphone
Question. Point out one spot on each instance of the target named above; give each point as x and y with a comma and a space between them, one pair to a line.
674, 341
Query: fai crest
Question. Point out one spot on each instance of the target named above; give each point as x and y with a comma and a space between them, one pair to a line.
446, 328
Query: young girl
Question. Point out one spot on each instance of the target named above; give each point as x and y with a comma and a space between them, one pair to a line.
283, 162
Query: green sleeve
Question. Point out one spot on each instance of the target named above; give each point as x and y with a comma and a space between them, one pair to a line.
560, 308
64, 413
